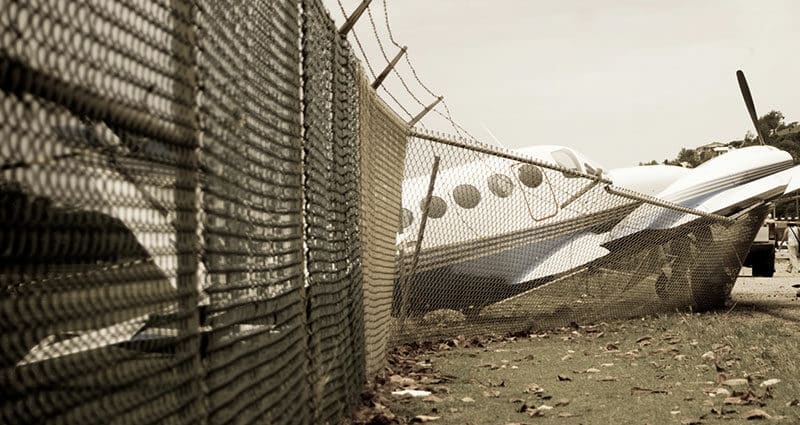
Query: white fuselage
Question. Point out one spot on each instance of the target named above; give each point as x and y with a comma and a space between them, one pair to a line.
475, 229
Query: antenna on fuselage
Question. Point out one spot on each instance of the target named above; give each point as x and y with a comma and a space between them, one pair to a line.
496, 140
748, 101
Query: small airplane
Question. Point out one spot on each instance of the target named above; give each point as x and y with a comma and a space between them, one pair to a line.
496, 227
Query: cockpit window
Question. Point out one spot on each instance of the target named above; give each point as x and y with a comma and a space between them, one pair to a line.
530, 175
466, 196
566, 159
406, 218
437, 207
501, 185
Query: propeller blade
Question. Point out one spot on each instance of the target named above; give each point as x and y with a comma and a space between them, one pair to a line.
748, 101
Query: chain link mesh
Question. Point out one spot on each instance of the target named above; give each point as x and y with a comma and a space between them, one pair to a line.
98, 262
207, 215
336, 311
513, 244
252, 195
383, 138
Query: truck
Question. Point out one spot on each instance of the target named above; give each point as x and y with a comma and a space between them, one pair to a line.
761, 256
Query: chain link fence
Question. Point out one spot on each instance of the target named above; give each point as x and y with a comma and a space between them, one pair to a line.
180, 221
207, 215
504, 243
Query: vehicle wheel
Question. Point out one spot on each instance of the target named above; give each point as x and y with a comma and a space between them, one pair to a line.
711, 286
764, 265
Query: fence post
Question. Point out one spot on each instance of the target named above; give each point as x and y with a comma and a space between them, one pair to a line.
188, 242
425, 111
351, 20
385, 73
423, 222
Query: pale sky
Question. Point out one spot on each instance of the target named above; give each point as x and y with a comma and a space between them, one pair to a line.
620, 81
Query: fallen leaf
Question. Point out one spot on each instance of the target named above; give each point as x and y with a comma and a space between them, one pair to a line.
425, 418
400, 380
755, 414
709, 355
432, 399
770, 382
722, 391
539, 411
411, 393
738, 382
381, 419
441, 390
735, 400
533, 389
535, 412
647, 390
468, 400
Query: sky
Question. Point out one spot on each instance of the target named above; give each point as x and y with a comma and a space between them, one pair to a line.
619, 81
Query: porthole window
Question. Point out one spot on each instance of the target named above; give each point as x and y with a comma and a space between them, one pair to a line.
437, 208
406, 218
500, 185
530, 175
466, 196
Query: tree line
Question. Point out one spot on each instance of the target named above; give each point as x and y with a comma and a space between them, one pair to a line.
779, 133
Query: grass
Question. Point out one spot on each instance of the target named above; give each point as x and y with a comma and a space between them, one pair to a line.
656, 370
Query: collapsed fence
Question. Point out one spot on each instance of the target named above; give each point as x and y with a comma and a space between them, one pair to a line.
503, 243
208, 215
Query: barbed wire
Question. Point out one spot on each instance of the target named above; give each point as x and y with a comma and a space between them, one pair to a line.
369, 64
394, 69
447, 115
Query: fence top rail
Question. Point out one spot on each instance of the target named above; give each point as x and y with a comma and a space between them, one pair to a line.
479, 147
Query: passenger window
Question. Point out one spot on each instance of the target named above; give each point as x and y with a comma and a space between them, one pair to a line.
437, 207
500, 185
466, 196
406, 218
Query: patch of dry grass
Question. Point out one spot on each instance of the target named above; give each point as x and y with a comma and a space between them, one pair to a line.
669, 369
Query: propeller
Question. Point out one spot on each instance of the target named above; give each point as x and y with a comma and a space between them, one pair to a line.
748, 101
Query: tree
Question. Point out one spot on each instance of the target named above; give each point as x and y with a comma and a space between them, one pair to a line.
688, 156
778, 134
782, 135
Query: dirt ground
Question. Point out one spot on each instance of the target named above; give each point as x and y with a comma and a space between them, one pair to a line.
729, 366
